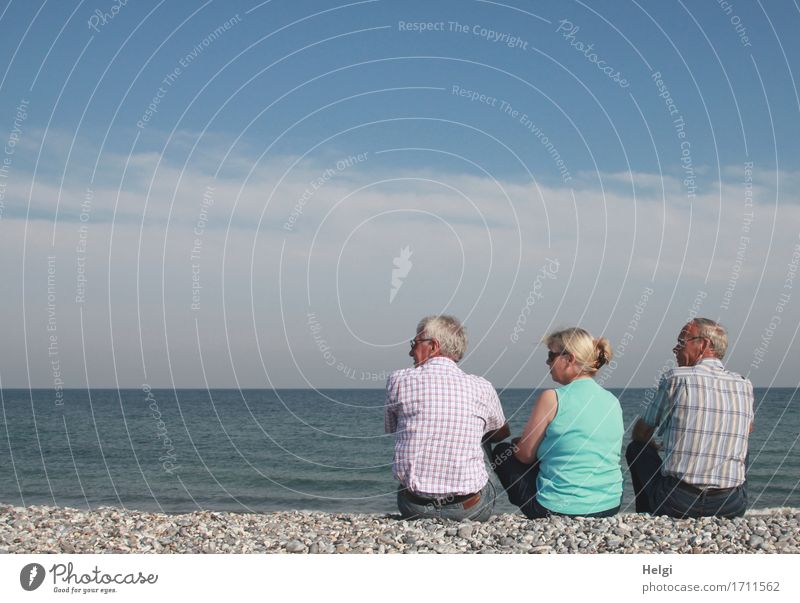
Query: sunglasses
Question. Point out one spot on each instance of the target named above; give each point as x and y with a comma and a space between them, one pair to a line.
551, 356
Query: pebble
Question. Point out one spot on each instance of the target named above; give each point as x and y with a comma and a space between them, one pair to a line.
755, 542
613, 543
295, 546
39, 529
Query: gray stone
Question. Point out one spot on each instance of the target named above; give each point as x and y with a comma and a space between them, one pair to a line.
119, 531
295, 546
756, 542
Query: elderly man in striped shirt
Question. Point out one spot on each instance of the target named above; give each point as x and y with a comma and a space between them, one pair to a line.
704, 415
440, 416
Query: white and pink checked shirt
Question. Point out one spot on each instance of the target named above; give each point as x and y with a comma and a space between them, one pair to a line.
439, 414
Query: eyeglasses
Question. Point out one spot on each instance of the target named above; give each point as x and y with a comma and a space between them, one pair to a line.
551, 356
682, 342
416, 341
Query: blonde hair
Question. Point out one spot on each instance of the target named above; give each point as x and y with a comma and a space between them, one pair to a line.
589, 352
449, 332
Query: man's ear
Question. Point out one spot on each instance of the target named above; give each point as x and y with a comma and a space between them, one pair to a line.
436, 349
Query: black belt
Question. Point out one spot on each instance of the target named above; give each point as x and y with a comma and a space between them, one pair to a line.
700, 490
469, 500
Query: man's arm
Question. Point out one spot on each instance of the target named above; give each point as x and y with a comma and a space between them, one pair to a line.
497, 426
645, 426
389, 413
642, 432
389, 421
496, 435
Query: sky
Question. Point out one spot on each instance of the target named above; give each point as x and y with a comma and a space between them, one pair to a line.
272, 194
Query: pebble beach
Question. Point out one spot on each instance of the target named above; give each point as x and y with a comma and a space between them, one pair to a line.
43, 529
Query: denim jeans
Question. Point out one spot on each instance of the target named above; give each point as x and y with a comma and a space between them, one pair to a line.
519, 482
482, 510
666, 495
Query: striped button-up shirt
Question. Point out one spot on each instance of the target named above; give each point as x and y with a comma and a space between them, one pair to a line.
439, 414
704, 414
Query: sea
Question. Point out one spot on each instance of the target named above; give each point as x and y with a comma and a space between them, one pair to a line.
267, 450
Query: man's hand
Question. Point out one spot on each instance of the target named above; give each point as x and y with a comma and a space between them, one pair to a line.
642, 432
498, 435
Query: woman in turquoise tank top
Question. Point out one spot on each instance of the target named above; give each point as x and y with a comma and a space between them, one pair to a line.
567, 460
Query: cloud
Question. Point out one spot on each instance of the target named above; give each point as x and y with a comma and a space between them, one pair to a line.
179, 234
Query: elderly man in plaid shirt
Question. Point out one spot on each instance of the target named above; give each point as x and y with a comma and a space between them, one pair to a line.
704, 415
441, 416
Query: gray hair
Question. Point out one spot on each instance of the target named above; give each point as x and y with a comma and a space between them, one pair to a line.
448, 331
715, 333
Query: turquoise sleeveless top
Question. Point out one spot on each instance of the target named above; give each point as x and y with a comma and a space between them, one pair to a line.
579, 469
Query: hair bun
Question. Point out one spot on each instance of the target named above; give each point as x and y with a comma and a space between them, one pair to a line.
603, 351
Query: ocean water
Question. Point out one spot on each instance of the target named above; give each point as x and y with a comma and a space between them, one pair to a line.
263, 450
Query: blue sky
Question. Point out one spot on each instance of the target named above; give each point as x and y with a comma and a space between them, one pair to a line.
226, 187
